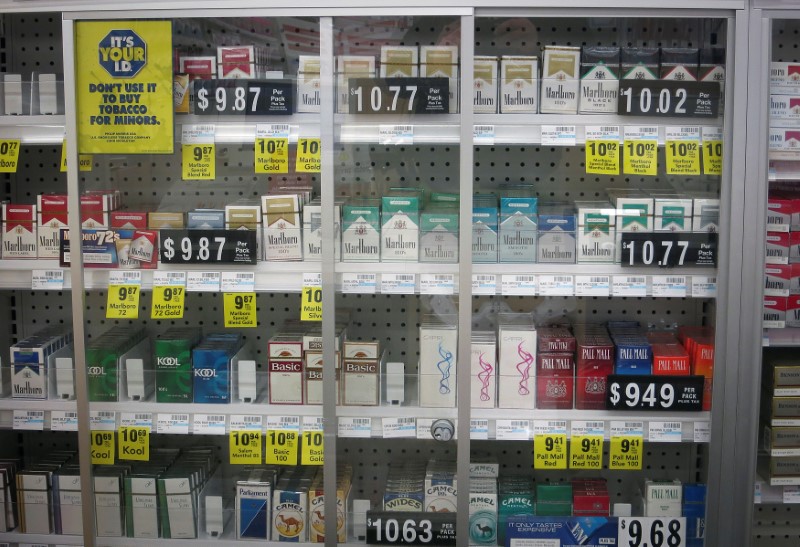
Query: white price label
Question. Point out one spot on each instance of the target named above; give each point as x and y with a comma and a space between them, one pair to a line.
291, 423
100, 420
653, 531
208, 424
437, 283
683, 133
169, 279
665, 432
556, 285
359, 428
203, 281
620, 428
396, 134
358, 283
704, 286
512, 430
641, 132
483, 134
272, 131
484, 284
198, 134
173, 423
398, 283
424, 426
549, 427
136, 419
396, 428
313, 423
559, 135
238, 282
312, 279
592, 285
669, 286
712, 133
125, 277
581, 427
62, 420
28, 420
702, 432
791, 494
479, 429
243, 422
602, 132
629, 285
47, 280
518, 285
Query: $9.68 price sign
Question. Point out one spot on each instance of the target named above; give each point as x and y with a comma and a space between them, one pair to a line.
411, 528
208, 246
636, 393
652, 532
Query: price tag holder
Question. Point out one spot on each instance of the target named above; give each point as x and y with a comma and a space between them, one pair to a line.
702, 432
424, 426
47, 280
399, 428
592, 285
291, 423
664, 432
399, 95
28, 420
652, 531
669, 249
282, 446
602, 149
484, 284
311, 297
654, 393
629, 285
395, 134
133, 419
518, 285
483, 135
549, 445
208, 424
208, 247
9, 155
791, 494
61, 420
712, 150
101, 420
272, 149
169, 291
176, 424
134, 443
242, 422
358, 283
669, 286
479, 429
704, 286
203, 281
103, 447
308, 156
640, 150
512, 430
245, 447
238, 282
683, 150
356, 428
396, 528
398, 283
625, 452
85, 161
240, 97
124, 289
198, 154
559, 135
437, 283
668, 98
240, 310
556, 285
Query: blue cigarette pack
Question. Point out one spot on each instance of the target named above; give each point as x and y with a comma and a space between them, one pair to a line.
633, 355
211, 367
206, 219
563, 531
694, 509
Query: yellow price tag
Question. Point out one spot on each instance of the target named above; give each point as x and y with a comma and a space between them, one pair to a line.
550, 451
245, 447
313, 452
9, 155
683, 158
641, 157
123, 302
602, 157
240, 309
586, 452
282, 447
272, 155
712, 157
167, 302
625, 452
103, 447
311, 304
198, 162
308, 156
84, 160
134, 443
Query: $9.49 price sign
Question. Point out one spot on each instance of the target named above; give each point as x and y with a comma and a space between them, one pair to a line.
123, 302
240, 309
652, 531
245, 447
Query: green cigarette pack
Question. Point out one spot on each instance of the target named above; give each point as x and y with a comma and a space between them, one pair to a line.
104, 361
172, 354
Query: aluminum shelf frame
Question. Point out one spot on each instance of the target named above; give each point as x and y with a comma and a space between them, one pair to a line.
32, 130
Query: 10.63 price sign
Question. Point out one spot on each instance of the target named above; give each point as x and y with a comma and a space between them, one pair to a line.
411, 528
652, 532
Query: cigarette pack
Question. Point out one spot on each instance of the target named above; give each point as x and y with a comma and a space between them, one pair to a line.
600, 71
560, 80
516, 364
555, 380
308, 84
437, 364
212, 366
198, 67
351, 66
399, 61
282, 229
141, 505
484, 231
361, 232
312, 231
632, 355
596, 232
483, 370
594, 364
670, 359
173, 364
438, 238
640, 63
518, 228
106, 358
484, 87
774, 312
361, 382
253, 505
679, 64
205, 219
519, 90
441, 62
556, 229
290, 510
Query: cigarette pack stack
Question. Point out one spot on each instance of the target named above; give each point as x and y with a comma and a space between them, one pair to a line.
282, 229
597, 221
405, 487
518, 225
699, 344
51, 218
483, 370
111, 357
438, 355
484, 229
595, 362
554, 500
663, 498
517, 361
214, 365
361, 373
361, 231
19, 231
316, 504
633, 353
441, 487
555, 368
290, 505
172, 356
590, 498
40, 361
517, 498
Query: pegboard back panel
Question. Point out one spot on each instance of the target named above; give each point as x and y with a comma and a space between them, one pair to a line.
34, 310
36, 40
38, 173
785, 35
776, 525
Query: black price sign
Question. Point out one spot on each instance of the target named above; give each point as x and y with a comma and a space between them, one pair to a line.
652, 531
637, 393
668, 98
399, 95
208, 246
669, 249
411, 528
243, 97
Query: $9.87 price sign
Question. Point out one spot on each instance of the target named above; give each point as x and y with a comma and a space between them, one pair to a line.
240, 309
652, 531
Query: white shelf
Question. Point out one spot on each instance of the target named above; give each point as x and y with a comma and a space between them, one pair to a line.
33, 129
17, 274
8, 406
242, 129
777, 338
46, 539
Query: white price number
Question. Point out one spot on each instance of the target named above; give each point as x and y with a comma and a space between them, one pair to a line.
391, 531
207, 250
652, 532
633, 395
